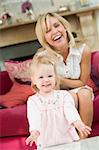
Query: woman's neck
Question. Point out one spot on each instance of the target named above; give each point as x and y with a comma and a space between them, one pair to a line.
64, 52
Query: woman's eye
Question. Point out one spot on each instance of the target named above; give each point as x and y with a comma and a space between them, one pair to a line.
56, 25
47, 31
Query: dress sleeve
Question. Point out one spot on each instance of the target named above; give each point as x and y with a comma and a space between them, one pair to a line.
70, 110
33, 115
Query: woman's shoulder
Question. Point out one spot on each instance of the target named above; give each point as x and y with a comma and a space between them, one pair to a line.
49, 53
83, 49
40, 50
86, 51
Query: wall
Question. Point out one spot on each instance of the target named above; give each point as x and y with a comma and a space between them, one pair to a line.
39, 6
28, 48
18, 50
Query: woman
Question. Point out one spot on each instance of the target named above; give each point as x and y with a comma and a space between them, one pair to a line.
53, 32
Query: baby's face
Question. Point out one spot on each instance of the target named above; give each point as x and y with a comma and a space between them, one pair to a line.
45, 78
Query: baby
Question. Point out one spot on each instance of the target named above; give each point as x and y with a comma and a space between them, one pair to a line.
53, 118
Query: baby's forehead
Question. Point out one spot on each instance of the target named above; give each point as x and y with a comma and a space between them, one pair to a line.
46, 66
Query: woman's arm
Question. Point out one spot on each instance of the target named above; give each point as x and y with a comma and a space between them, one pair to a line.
73, 116
85, 72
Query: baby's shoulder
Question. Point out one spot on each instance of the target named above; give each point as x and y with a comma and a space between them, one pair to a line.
32, 98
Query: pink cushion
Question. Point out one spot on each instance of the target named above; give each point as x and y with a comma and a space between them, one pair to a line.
91, 83
96, 109
5, 82
15, 143
18, 69
13, 121
95, 129
95, 68
18, 95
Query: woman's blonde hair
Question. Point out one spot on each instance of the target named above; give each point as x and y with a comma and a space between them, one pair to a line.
39, 59
42, 26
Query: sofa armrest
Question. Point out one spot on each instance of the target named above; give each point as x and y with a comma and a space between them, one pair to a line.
5, 82
95, 68
14, 121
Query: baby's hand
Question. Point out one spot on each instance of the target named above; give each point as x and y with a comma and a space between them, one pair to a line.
83, 129
32, 138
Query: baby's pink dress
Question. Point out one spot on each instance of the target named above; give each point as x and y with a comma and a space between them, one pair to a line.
53, 117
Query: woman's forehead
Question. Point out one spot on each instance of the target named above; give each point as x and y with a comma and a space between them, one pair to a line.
49, 20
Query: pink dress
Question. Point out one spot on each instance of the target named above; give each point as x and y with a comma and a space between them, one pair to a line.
53, 117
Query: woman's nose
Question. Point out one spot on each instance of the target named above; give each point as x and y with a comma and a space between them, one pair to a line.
54, 30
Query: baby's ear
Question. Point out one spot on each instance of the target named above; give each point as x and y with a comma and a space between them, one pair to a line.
57, 85
32, 79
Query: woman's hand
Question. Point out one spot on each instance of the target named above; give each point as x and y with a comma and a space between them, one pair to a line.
83, 129
32, 138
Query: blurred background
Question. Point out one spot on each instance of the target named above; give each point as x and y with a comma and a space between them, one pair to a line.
18, 19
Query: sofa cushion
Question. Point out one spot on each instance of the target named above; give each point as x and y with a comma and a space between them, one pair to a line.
95, 130
5, 82
91, 83
18, 69
18, 95
95, 68
16, 143
13, 121
96, 109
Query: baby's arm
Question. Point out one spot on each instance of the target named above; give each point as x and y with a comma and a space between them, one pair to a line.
32, 138
83, 129
34, 120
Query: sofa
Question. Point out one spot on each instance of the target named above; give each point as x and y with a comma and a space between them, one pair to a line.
13, 97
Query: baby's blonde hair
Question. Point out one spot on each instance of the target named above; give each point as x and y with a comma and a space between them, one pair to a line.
39, 59
42, 26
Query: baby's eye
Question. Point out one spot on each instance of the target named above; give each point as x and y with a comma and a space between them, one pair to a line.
50, 76
41, 77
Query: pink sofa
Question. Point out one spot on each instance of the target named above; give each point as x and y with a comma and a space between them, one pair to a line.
13, 120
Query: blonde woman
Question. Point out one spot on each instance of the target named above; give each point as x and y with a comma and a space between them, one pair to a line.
53, 118
54, 34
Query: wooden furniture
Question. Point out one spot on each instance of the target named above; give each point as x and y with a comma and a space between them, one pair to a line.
17, 33
25, 31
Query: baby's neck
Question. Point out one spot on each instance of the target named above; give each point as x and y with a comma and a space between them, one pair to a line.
46, 94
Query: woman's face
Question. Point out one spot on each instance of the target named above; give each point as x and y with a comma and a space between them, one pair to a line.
56, 34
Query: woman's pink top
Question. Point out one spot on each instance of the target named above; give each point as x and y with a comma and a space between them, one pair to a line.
53, 116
